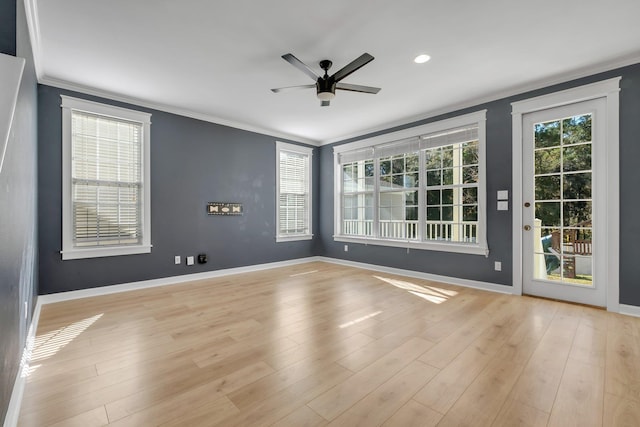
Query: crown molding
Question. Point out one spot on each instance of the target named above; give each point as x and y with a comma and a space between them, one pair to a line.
62, 84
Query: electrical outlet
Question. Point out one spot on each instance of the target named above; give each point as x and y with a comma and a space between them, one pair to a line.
177, 260
346, 248
497, 266
190, 260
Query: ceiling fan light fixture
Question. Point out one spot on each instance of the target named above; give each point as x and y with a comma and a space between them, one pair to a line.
326, 96
421, 59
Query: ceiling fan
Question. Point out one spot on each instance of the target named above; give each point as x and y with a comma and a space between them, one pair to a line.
326, 85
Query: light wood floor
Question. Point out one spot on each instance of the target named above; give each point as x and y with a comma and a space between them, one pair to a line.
318, 344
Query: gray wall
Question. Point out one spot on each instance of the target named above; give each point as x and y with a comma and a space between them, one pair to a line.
499, 224
8, 27
192, 163
18, 270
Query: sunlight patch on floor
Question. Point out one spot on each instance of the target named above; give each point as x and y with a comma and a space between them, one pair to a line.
429, 293
359, 319
304, 273
47, 345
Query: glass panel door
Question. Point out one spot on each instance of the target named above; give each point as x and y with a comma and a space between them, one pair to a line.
562, 198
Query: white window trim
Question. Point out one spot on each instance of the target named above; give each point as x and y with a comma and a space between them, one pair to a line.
307, 151
70, 252
609, 90
481, 247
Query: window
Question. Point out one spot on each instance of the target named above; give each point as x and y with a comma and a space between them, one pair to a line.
422, 187
293, 172
105, 180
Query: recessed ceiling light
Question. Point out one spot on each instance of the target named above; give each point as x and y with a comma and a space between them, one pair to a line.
421, 59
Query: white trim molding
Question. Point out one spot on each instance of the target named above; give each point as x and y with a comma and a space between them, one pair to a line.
307, 154
69, 250
630, 310
11, 69
609, 90
15, 402
467, 283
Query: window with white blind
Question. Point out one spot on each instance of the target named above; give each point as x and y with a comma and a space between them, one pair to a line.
293, 198
422, 187
105, 180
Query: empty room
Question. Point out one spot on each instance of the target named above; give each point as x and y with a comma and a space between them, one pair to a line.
443, 234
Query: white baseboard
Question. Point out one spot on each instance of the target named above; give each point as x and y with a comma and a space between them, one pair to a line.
486, 286
629, 310
173, 280
13, 411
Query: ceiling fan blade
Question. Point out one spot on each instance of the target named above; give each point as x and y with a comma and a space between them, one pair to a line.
290, 88
324, 103
357, 88
354, 65
300, 65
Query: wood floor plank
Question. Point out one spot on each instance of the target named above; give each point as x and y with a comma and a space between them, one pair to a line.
481, 402
95, 417
622, 359
318, 343
448, 385
153, 396
303, 417
203, 415
296, 369
620, 411
580, 398
539, 382
515, 413
335, 401
414, 414
379, 405
272, 408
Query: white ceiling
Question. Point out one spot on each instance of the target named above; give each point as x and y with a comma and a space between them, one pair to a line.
218, 59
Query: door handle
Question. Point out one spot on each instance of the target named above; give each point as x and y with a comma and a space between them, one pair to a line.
527, 204
527, 227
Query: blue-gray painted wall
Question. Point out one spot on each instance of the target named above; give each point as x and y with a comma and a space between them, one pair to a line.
499, 223
18, 225
8, 27
192, 162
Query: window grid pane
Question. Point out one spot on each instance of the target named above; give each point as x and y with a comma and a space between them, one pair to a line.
357, 200
451, 192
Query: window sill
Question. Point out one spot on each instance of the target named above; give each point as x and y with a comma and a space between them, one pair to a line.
104, 252
294, 238
462, 248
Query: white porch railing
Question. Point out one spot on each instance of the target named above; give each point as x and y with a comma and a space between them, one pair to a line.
435, 230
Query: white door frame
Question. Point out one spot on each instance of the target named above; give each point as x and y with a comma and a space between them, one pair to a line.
609, 90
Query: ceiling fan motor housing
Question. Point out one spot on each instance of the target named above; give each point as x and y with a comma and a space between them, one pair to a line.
325, 88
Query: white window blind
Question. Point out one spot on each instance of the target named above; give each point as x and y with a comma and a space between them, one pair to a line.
106, 180
106, 206
294, 192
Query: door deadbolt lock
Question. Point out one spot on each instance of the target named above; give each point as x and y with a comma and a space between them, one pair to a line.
527, 227
527, 204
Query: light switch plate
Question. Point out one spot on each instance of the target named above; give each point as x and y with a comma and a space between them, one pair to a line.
190, 260
503, 194
503, 205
